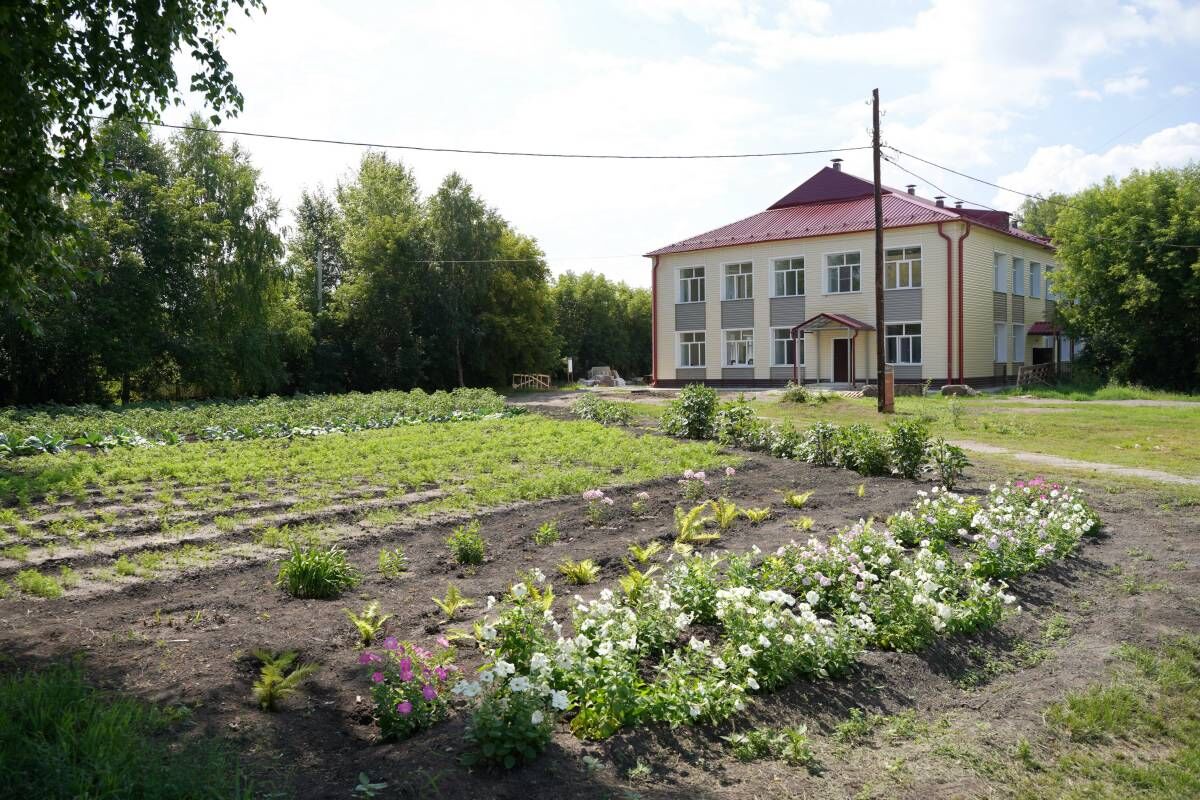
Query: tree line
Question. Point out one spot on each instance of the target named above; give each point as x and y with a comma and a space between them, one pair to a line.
182, 284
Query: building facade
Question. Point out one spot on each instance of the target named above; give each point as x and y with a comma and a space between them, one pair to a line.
789, 293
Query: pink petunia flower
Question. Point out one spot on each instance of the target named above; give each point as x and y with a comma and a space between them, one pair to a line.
391, 643
377, 677
368, 658
443, 641
428, 692
404, 708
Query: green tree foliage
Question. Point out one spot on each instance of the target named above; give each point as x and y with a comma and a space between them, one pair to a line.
603, 323
1038, 216
179, 289
60, 63
1130, 276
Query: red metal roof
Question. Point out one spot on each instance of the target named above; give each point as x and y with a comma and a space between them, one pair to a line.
812, 209
838, 320
1043, 328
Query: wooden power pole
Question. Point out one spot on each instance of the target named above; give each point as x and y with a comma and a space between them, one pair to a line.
880, 358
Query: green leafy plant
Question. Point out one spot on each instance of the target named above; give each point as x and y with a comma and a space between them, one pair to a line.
594, 408
30, 581
860, 490
278, 677
368, 623
757, 515
949, 462
316, 573
392, 563
634, 582
547, 533
725, 512
691, 414
642, 554
579, 573
689, 526
796, 499
802, 523
368, 788
508, 729
795, 393
467, 546
453, 602
907, 442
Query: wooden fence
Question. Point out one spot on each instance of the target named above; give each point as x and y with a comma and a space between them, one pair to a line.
1036, 373
522, 380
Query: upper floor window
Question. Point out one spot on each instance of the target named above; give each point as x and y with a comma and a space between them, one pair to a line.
785, 349
1035, 279
691, 285
1018, 276
844, 272
739, 281
902, 268
999, 274
739, 348
903, 340
789, 277
691, 349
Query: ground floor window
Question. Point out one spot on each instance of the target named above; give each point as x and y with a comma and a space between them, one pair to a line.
785, 349
739, 348
1000, 343
691, 349
1018, 334
903, 340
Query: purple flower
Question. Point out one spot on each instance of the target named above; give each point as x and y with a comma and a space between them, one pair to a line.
443, 641
730, 472
442, 673
428, 692
700, 476
377, 677
592, 495
422, 652
404, 708
390, 643
368, 658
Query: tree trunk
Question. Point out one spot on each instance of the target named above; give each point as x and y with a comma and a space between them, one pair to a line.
125, 389
458, 361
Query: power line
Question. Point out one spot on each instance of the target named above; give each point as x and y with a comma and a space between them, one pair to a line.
973, 178
468, 151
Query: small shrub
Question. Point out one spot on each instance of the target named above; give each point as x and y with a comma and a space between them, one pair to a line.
725, 512
579, 573
279, 677
410, 685
795, 393
547, 533
316, 574
392, 563
594, 408
861, 448
796, 499
691, 415
757, 515
467, 546
907, 444
818, 445
453, 602
949, 462
508, 729
638, 508
736, 424
957, 411
30, 581
369, 623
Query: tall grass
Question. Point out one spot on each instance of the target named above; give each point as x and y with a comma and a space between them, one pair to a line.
62, 739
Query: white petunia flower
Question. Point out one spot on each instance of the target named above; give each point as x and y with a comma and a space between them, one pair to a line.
537, 717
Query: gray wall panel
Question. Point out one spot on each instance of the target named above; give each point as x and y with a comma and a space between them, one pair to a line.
689, 316
785, 373
1000, 306
1018, 309
902, 305
737, 373
787, 311
908, 373
691, 374
737, 314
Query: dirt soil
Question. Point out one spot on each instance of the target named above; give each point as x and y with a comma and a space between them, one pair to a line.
187, 640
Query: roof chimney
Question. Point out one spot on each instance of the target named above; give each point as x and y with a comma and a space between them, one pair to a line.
1016, 222
940, 200
958, 203
912, 188
837, 164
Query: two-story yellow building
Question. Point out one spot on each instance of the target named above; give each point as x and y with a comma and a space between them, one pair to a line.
789, 293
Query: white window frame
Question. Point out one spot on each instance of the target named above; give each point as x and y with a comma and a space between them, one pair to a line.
1000, 332
829, 267
799, 348
1018, 276
904, 334
1018, 343
741, 279
775, 273
1035, 279
679, 349
999, 272
748, 349
887, 260
702, 278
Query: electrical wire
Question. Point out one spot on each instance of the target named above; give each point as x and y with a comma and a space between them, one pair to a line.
468, 151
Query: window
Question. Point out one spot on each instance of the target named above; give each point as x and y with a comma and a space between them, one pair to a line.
1018, 272
1018, 333
999, 278
903, 340
739, 281
789, 277
902, 268
1035, 279
691, 285
784, 350
844, 272
1001, 343
739, 348
691, 349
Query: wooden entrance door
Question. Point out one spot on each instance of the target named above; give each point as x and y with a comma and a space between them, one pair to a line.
841, 360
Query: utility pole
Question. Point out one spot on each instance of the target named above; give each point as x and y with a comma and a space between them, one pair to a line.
321, 278
880, 364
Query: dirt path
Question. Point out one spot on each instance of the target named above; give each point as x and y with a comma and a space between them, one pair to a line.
1073, 463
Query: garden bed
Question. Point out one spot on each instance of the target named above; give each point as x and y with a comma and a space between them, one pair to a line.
940, 722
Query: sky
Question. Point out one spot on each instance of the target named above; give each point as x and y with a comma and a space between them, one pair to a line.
1037, 96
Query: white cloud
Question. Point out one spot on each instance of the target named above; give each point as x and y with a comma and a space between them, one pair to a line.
1181, 90
1067, 168
1129, 84
1087, 94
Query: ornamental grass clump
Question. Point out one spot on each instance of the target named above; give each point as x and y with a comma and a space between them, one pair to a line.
410, 685
316, 573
